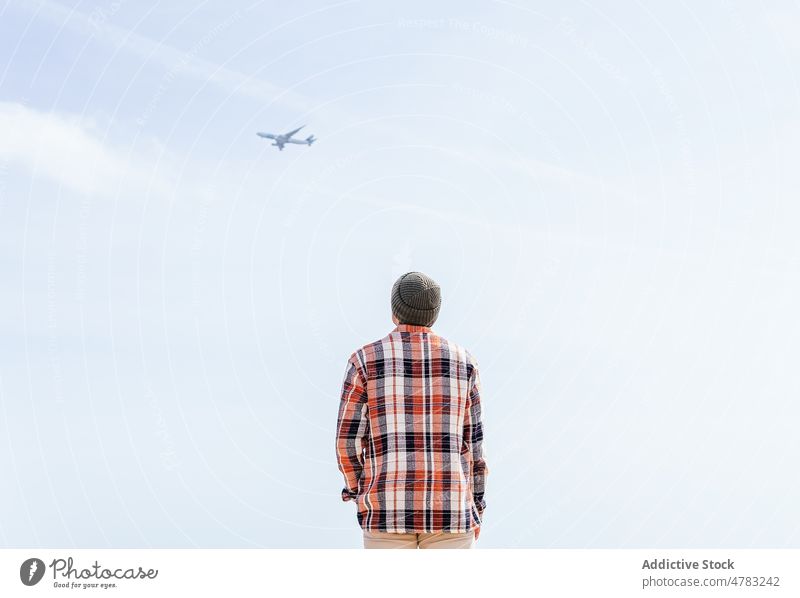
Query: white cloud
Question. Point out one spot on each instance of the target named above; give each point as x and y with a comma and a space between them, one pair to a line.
71, 152
58, 147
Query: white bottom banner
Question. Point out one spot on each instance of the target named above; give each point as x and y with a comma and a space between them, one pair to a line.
322, 572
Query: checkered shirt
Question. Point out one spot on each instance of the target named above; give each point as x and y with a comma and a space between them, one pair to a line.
409, 435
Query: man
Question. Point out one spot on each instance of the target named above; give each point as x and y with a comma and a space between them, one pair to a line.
409, 436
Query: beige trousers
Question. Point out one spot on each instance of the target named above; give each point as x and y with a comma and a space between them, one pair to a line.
419, 540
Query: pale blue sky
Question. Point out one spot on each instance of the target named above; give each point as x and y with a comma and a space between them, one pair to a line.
607, 194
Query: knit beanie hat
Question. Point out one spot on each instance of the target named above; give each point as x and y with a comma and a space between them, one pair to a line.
416, 299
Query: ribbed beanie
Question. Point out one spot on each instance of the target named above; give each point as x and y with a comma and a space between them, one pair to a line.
416, 299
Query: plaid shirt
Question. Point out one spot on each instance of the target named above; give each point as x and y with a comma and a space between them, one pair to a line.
409, 436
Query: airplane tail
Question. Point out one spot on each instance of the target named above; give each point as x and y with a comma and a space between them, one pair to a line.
310, 139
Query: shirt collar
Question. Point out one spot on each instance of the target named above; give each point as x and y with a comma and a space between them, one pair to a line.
411, 328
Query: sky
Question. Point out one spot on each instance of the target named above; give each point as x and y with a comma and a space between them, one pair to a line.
605, 192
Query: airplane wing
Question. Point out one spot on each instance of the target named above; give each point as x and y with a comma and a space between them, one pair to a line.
290, 133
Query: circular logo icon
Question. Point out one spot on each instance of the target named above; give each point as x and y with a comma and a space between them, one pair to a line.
31, 571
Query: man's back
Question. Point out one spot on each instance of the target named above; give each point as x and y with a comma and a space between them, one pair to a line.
410, 434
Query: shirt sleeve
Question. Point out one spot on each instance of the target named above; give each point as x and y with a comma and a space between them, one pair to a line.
473, 433
352, 429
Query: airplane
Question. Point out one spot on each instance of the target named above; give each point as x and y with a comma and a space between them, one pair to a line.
281, 140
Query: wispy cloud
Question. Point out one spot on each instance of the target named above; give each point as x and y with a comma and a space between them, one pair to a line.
69, 151
58, 147
99, 25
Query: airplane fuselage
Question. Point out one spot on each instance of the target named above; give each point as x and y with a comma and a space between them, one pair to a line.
280, 140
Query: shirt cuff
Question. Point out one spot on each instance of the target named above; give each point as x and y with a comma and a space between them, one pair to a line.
348, 494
